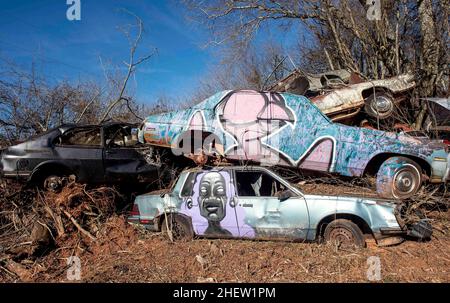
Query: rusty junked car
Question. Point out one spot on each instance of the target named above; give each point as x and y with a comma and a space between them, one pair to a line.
289, 130
255, 203
342, 95
107, 153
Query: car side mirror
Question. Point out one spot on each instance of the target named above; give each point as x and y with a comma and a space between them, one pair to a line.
285, 194
169, 194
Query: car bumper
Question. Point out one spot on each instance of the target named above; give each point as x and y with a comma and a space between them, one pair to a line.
420, 230
147, 224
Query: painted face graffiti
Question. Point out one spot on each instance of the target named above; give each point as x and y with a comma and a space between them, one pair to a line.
212, 200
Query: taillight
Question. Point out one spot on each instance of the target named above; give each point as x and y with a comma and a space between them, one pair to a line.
135, 210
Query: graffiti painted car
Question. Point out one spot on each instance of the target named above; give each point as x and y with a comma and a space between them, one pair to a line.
105, 153
255, 203
342, 95
289, 130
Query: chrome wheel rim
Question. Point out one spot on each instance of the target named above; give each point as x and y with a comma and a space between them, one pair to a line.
382, 105
405, 181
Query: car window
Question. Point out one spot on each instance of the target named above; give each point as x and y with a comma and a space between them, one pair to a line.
81, 137
121, 136
188, 185
257, 184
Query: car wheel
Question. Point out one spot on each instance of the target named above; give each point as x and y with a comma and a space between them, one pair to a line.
177, 228
380, 105
53, 183
345, 233
398, 178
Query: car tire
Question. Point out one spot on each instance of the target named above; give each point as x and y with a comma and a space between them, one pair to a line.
398, 178
345, 233
177, 228
380, 105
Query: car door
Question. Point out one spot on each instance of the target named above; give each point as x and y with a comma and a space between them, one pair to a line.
318, 142
121, 157
80, 149
208, 201
267, 207
305, 138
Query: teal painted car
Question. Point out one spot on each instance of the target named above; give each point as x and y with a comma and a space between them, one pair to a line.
288, 130
255, 203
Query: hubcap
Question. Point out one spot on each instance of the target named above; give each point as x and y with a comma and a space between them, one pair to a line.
405, 181
382, 105
53, 183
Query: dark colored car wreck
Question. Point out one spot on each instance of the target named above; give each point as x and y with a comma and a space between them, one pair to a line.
107, 153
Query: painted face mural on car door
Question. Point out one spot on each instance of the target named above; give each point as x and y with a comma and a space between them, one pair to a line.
211, 205
212, 200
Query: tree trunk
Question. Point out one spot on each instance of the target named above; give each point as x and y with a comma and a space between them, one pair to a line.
430, 49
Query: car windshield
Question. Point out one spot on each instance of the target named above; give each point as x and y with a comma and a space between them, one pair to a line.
35, 136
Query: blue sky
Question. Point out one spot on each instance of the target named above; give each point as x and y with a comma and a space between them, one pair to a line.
70, 50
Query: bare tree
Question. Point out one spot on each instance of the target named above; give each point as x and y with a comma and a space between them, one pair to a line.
132, 64
342, 36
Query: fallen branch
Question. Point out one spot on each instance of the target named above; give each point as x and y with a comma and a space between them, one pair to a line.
78, 226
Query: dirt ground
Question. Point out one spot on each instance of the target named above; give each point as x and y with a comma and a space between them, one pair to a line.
124, 253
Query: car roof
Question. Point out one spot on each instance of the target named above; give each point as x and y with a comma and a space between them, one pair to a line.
65, 127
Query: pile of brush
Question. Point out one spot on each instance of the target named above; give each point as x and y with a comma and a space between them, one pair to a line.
34, 222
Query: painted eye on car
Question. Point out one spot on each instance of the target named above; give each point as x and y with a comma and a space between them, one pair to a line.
203, 191
220, 191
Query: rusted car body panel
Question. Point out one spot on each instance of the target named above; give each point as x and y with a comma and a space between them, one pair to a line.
300, 83
338, 94
289, 130
346, 98
232, 208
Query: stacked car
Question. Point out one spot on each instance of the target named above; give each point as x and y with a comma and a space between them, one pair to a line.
246, 132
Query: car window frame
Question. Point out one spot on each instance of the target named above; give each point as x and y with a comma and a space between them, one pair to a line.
186, 177
100, 146
107, 146
296, 191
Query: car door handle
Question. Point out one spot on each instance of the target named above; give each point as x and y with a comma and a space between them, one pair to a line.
247, 205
